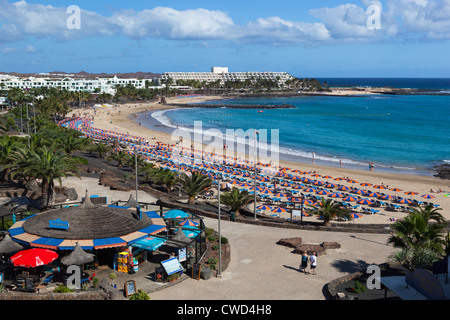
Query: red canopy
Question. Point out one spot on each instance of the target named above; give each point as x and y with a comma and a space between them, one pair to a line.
33, 258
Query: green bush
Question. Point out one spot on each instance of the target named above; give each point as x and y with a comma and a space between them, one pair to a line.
215, 247
223, 240
208, 231
62, 289
140, 295
358, 287
212, 239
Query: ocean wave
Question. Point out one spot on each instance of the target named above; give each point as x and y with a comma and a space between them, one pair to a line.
247, 143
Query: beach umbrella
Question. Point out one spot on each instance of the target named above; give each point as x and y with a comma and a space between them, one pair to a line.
405, 201
174, 214
411, 193
324, 192
350, 199
360, 191
315, 175
319, 183
365, 184
339, 179
310, 189
344, 188
279, 194
356, 215
395, 189
278, 210
188, 223
335, 195
352, 181
365, 201
427, 196
387, 197
294, 199
373, 194
264, 207
308, 202
266, 191
328, 177
379, 187
331, 185
32, 258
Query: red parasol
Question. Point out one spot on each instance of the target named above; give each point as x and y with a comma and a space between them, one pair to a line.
33, 258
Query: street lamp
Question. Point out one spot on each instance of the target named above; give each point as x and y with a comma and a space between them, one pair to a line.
219, 177
255, 151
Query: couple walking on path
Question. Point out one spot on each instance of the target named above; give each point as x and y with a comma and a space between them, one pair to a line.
312, 259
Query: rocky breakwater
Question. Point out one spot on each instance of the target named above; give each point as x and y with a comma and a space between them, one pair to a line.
232, 106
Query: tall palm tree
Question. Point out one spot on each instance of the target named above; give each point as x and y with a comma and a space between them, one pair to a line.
236, 199
194, 184
328, 209
8, 145
48, 165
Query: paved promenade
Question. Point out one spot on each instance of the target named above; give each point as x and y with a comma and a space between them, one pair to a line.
262, 270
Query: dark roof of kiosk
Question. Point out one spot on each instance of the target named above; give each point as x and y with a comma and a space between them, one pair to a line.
88, 221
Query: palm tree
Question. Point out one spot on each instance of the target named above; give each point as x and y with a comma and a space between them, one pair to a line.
236, 199
166, 177
328, 209
47, 165
120, 156
416, 231
194, 184
8, 145
430, 213
101, 148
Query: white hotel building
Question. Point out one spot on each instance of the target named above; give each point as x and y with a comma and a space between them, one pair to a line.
222, 74
103, 84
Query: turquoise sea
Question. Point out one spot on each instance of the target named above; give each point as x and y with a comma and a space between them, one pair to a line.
398, 133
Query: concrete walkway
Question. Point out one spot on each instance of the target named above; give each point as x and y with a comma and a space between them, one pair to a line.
259, 268
262, 270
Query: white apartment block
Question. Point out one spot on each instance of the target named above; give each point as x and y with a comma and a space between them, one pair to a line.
107, 85
222, 74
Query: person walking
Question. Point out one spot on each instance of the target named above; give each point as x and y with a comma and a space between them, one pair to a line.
313, 263
304, 263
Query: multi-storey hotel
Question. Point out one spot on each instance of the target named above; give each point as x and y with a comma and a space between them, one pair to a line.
222, 74
107, 85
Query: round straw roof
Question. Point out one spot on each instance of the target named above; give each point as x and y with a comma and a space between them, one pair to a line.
88, 221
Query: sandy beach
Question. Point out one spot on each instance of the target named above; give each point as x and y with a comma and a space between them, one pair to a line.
120, 119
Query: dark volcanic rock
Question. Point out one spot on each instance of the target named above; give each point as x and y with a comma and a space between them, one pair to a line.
442, 171
290, 242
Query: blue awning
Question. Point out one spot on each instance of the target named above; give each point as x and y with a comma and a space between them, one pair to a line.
149, 243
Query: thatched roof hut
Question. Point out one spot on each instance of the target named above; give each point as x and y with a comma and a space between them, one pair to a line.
8, 245
77, 257
93, 226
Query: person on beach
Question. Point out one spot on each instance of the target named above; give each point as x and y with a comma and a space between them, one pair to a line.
304, 263
313, 263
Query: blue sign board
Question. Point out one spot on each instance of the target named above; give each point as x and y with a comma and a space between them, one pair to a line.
172, 266
59, 224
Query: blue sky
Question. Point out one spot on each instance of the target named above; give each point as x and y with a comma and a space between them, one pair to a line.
325, 38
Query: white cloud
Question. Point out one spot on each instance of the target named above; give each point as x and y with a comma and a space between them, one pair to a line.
426, 19
401, 19
173, 24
